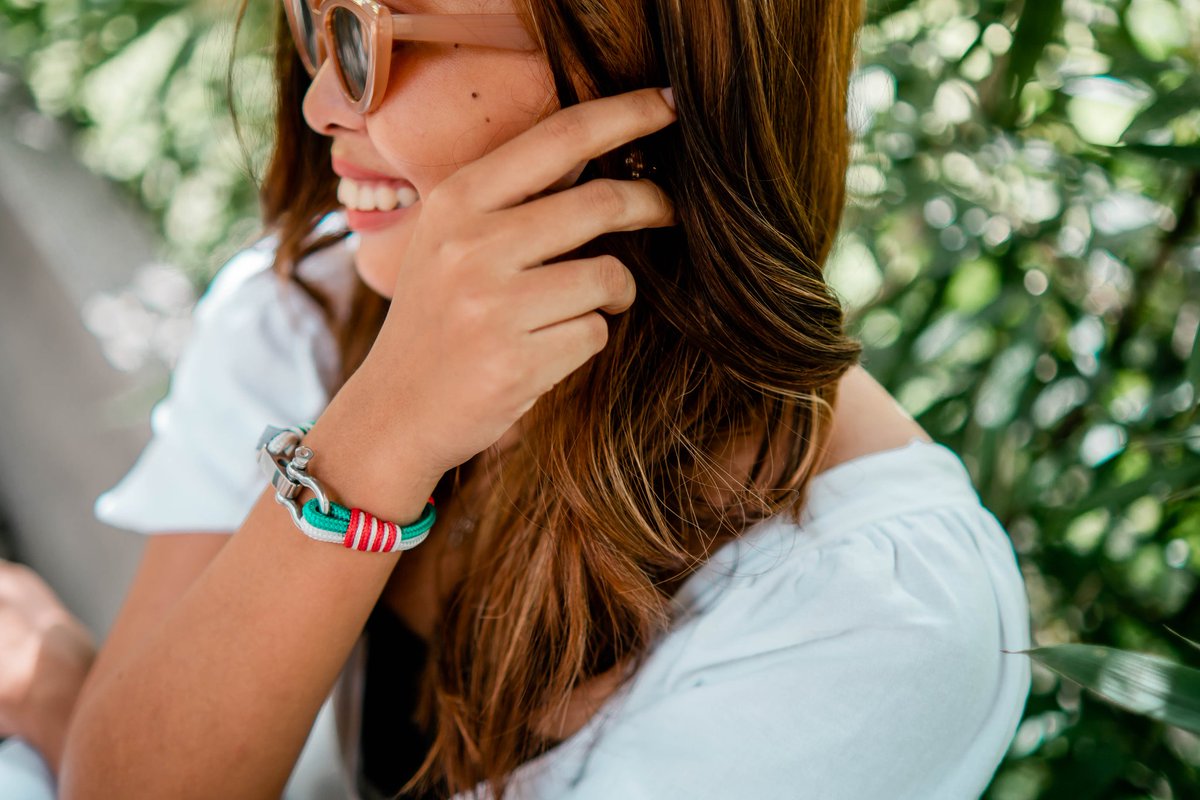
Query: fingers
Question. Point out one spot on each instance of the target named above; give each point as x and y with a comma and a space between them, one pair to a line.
554, 293
560, 222
568, 180
560, 349
536, 158
561, 310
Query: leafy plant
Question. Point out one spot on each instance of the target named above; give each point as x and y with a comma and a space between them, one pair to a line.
1022, 260
142, 85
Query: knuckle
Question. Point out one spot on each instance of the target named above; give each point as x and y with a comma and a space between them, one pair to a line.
495, 373
13, 571
606, 198
647, 107
613, 276
444, 195
471, 311
567, 126
662, 205
595, 332
508, 372
459, 252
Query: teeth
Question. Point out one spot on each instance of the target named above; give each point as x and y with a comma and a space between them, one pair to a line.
347, 192
372, 196
385, 198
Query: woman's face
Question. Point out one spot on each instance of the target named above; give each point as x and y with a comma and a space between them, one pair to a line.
444, 106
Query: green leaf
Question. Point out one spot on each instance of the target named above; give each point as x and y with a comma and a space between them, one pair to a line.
1148, 685
1192, 370
1194, 644
1037, 25
1116, 497
1189, 156
1164, 110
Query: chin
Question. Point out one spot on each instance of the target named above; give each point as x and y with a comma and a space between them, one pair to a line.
383, 288
375, 270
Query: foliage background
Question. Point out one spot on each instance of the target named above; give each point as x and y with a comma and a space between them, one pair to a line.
1021, 259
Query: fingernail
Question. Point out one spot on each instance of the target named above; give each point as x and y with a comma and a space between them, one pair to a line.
668, 95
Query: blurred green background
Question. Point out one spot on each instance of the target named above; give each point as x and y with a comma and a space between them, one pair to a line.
1021, 258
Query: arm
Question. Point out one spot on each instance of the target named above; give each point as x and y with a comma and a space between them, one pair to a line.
217, 699
50, 657
231, 675
170, 564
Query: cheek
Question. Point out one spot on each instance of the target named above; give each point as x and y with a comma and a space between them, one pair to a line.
437, 124
452, 112
431, 150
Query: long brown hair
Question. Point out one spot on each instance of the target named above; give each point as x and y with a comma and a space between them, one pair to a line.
624, 480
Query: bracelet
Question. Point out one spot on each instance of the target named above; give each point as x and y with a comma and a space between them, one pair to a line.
285, 461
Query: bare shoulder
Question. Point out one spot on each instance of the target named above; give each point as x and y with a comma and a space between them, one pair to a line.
867, 419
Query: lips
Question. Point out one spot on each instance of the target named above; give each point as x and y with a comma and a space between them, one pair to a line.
355, 172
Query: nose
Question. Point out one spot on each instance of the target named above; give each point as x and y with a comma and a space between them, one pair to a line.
326, 109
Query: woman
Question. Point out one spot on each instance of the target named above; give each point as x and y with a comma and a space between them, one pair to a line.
699, 551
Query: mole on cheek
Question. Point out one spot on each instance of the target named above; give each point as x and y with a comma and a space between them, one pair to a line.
475, 95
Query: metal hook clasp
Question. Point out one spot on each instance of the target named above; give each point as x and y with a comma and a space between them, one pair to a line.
289, 476
274, 467
296, 470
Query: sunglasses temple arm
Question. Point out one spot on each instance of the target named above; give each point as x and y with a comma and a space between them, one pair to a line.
489, 30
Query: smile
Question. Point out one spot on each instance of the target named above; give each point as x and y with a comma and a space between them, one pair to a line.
362, 195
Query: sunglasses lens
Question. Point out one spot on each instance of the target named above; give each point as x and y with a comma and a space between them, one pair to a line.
308, 31
348, 36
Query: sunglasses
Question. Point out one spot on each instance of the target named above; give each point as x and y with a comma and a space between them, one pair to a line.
359, 35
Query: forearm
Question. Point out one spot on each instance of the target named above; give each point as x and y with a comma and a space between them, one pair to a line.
219, 700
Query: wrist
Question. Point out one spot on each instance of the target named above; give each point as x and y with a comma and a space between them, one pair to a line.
54, 696
360, 468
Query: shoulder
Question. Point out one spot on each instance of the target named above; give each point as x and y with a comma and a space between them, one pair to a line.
260, 352
895, 564
866, 419
251, 317
898, 535
248, 281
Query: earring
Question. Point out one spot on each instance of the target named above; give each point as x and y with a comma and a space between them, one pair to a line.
636, 164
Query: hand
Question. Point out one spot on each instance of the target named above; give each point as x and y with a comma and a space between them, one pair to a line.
479, 327
45, 654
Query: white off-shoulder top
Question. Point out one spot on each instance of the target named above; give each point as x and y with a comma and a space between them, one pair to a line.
857, 655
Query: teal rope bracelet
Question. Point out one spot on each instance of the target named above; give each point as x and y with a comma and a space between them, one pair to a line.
285, 462
343, 525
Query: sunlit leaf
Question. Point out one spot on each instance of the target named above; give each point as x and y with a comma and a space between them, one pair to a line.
1165, 109
1141, 683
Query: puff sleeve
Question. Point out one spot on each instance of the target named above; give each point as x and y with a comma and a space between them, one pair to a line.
259, 353
866, 668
